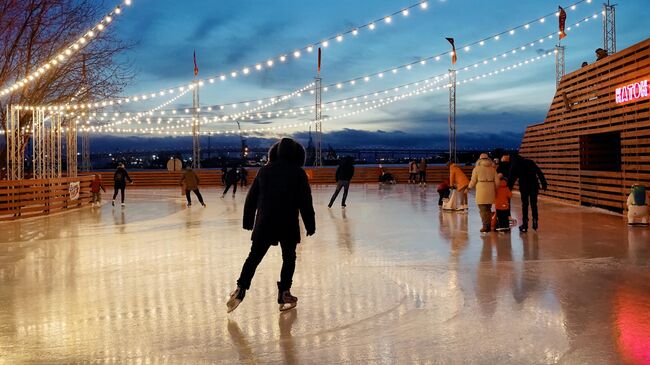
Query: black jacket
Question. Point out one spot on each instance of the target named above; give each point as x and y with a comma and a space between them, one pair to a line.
279, 193
529, 174
231, 176
121, 176
345, 171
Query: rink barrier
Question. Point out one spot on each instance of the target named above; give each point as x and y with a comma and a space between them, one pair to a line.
586, 104
325, 175
30, 198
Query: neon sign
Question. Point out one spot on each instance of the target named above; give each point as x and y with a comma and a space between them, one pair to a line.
632, 92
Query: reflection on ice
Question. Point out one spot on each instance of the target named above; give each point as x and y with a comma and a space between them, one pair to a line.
389, 279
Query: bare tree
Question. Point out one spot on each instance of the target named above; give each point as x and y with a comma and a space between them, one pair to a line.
34, 31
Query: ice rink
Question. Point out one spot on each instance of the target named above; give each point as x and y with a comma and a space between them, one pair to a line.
388, 280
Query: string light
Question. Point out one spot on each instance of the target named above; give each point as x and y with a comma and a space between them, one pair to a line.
65, 54
325, 43
368, 106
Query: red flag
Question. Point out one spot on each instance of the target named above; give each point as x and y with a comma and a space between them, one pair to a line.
196, 68
453, 49
562, 19
319, 58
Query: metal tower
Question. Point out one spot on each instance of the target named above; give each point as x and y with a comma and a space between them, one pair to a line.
452, 116
71, 148
86, 165
196, 131
609, 28
559, 64
15, 153
318, 123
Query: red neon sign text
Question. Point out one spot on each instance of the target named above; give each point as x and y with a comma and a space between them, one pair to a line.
632, 92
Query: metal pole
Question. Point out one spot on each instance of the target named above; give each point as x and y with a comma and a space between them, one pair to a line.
196, 133
71, 148
609, 28
559, 64
452, 116
317, 119
86, 164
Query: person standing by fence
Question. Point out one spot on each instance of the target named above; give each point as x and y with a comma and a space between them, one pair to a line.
422, 169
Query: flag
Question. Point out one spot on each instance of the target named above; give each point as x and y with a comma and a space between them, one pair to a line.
562, 19
453, 49
319, 58
196, 68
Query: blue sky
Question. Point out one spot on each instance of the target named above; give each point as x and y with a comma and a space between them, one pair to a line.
229, 34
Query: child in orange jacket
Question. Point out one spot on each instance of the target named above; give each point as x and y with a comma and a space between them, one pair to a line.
502, 205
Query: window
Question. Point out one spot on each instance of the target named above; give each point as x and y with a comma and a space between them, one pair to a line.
600, 152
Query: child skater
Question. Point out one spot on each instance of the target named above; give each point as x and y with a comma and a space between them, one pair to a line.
279, 192
502, 204
443, 191
95, 186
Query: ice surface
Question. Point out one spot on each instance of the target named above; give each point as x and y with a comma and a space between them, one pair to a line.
389, 279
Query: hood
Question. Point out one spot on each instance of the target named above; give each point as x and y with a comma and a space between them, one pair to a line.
287, 150
485, 162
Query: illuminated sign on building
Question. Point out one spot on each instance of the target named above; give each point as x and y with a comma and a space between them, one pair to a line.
632, 92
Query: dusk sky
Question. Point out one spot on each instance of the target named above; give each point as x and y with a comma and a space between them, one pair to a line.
229, 35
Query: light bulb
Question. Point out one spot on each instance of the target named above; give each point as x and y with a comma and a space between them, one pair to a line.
388, 20
424, 5
405, 12
371, 26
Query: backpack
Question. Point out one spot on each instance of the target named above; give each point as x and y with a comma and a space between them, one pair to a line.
638, 194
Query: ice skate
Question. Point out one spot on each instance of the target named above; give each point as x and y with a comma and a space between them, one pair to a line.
535, 224
123, 205
189, 205
203, 204
523, 228
236, 297
286, 301
113, 202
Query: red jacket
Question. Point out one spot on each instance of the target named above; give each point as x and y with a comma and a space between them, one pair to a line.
95, 185
502, 200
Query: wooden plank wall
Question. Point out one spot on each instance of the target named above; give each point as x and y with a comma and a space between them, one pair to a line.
212, 177
585, 104
31, 198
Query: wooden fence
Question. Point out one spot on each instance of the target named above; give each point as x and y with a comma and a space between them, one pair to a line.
30, 198
591, 148
325, 175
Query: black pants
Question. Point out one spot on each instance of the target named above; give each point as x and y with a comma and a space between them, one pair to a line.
528, 197
196, 192
341, 184
244, 182
503, 220
413, 177
234, 188
258, 250
119, 188
442, 194
423, 176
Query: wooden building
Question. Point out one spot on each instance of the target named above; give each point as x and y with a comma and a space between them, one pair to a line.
595, 141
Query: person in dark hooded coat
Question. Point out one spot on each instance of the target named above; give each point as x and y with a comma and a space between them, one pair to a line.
278, 195
530, 178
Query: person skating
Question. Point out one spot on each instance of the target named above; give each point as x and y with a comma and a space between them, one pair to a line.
413, 172
243, 176
344, 174
231, 178
459, 180
484, 178
191, 181
530, 178
278, 195
443, 191
502, 205
119, 182
422, 171
95, 186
